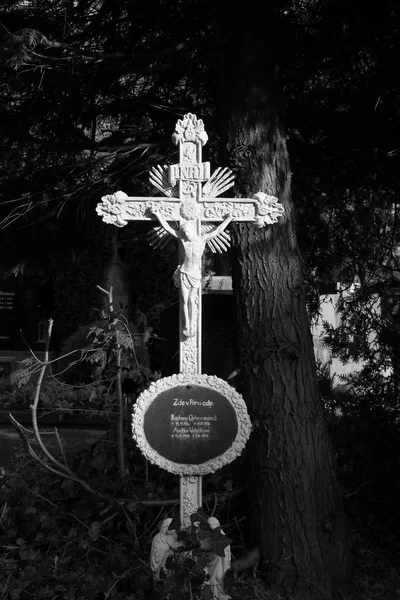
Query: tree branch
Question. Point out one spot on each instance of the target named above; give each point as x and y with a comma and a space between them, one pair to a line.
55, 466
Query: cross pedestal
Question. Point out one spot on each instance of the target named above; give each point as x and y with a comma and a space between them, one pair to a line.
192, 213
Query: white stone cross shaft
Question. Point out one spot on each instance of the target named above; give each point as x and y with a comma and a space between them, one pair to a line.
188, 213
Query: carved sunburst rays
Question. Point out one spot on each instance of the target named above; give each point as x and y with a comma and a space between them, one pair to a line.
221, 180
159, 178
220, 243
158, 238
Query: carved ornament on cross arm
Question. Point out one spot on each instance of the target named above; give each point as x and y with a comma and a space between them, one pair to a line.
110, 209
269, 210
218, 212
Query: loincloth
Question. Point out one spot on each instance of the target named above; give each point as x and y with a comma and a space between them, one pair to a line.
185, 280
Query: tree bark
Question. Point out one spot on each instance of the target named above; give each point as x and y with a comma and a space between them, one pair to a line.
296, 505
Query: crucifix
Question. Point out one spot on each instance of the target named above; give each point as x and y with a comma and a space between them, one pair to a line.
192, 213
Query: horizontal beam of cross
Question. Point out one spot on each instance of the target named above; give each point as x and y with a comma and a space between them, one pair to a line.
117, 209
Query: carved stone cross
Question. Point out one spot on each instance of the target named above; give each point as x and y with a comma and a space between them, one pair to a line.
187, 213
190, 212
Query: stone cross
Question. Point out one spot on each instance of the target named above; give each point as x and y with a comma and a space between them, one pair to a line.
192, 213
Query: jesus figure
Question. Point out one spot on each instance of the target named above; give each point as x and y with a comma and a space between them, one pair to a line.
188, 275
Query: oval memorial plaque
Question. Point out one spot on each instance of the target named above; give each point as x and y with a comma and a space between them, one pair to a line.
191, 424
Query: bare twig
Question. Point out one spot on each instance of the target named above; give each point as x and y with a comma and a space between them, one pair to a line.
62, 470
132, 526
3, 594
61, 446
360, 487
54, 465
4, 511
113, 586
34, 407
215, 505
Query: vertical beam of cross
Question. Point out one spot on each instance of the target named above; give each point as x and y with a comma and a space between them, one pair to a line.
190, 172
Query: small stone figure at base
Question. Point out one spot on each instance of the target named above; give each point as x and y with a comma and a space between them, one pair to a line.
163, 545
217, 567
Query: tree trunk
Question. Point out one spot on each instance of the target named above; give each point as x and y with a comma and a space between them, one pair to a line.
296, 506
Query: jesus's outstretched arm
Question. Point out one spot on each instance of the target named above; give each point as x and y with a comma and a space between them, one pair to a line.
164, 223
217, 230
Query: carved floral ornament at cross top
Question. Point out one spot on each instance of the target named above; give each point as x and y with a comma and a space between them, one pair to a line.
190, 129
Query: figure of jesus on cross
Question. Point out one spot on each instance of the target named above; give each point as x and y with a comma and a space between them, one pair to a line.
188, 275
